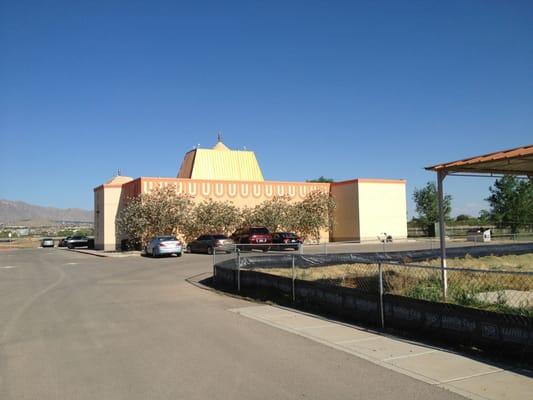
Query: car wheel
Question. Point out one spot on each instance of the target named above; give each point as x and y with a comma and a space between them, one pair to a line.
155, 253
210, 250
188, 249
179, 254
70, 247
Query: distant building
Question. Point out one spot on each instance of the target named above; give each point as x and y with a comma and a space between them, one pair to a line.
365, 207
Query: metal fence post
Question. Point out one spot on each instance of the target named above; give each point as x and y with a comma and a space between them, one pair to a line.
238, 270
382, 314
293, 279
214, 262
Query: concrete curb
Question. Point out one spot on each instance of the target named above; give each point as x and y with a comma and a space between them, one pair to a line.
85, 252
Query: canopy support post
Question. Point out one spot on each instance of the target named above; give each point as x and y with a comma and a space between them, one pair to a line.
442, 233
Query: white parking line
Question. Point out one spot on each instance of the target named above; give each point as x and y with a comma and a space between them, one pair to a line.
409, 355
357, 340
462, 378
313, 327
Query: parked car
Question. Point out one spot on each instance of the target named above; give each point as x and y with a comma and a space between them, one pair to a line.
77, 241
47, 242
286, 240
255, 237
63, 242
161, 245
207, 244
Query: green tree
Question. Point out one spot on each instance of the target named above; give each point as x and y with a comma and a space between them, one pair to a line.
313, 214
426, 202
463, 218
212, 217
511, 202
322, 179
484, 216
273, 214
66, 232
160, 212
132, 221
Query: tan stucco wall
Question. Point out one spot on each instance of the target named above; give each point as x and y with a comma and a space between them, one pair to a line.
107, 200
346, 215
239, 192
382, 208
365, 208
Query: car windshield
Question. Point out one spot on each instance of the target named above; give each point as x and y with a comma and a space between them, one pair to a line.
220, 237
165, 238
288, 235
259, 231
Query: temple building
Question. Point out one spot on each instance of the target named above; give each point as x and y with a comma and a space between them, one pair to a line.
365, 208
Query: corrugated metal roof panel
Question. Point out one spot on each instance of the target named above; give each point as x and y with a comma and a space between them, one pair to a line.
221, 163
518, 161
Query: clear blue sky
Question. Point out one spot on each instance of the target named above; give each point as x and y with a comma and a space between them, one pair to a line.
349, 89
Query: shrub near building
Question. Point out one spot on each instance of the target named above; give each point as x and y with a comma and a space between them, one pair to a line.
165, 212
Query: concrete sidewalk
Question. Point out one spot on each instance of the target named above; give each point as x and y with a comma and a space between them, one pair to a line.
463, 375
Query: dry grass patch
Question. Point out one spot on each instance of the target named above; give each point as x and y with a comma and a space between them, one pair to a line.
485, 289
522, 262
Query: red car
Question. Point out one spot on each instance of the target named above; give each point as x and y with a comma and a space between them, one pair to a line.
255, 237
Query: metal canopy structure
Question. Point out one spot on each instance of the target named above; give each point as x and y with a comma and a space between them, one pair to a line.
517, 161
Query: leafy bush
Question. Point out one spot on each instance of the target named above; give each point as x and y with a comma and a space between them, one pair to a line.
211, 217
163, 211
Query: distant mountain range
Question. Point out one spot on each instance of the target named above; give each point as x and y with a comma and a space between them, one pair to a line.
21, 213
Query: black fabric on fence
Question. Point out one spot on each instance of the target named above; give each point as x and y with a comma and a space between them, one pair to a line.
314, 260
458, 324
491, 331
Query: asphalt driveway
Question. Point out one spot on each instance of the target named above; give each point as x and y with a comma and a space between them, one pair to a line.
75, 326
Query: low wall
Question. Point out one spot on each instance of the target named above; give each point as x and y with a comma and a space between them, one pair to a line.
451, 323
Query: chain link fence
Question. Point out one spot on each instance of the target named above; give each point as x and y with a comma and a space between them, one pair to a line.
509, 292
482, 308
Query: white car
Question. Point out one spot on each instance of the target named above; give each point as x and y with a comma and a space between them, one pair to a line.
161, 245
47, 242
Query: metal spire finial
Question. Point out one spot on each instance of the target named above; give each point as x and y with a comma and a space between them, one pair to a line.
219, 137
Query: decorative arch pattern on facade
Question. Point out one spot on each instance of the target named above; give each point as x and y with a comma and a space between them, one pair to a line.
220, 190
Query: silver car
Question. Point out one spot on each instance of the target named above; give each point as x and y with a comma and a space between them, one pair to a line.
47, 242
161, 245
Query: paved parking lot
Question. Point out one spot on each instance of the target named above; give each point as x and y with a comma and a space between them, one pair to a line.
75, 326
